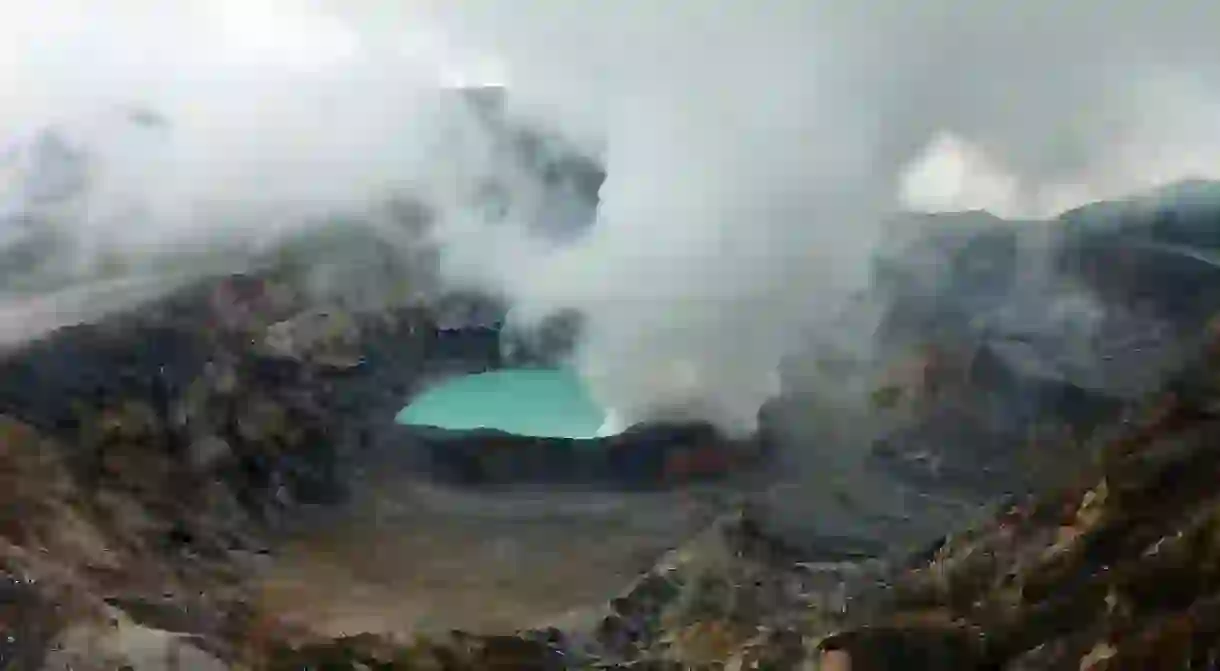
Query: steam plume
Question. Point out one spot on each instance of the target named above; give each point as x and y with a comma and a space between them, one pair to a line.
751, 149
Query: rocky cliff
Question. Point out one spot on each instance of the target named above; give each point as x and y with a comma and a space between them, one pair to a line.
153, 461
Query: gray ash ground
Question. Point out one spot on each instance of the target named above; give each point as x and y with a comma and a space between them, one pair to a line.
407, 558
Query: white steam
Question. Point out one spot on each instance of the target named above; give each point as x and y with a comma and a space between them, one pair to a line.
752, 148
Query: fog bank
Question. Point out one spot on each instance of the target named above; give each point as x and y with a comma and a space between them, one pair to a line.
752, 150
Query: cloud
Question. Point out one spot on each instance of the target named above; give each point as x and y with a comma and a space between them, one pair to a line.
752, 149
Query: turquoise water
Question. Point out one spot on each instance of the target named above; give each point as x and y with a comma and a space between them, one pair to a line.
528, 402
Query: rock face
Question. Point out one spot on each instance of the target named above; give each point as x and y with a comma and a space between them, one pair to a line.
1114, 570
548, 343
151, 452
280, 397
646, 457
1158, 252
271, 393
1026, 331
145, 456
1111, 572
70, 555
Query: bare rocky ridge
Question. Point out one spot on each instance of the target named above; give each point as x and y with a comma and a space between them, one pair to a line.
201, 483
185, 474
1109, 572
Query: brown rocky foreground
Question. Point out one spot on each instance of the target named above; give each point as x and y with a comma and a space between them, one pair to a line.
1117, 571
128, 542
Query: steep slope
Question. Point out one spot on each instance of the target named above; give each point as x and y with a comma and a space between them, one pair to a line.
158, 452
1114, 571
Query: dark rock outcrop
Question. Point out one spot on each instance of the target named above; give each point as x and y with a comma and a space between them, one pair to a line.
143, 452
1032, 331
196, 369
1113, 571
285, 401
643, 457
